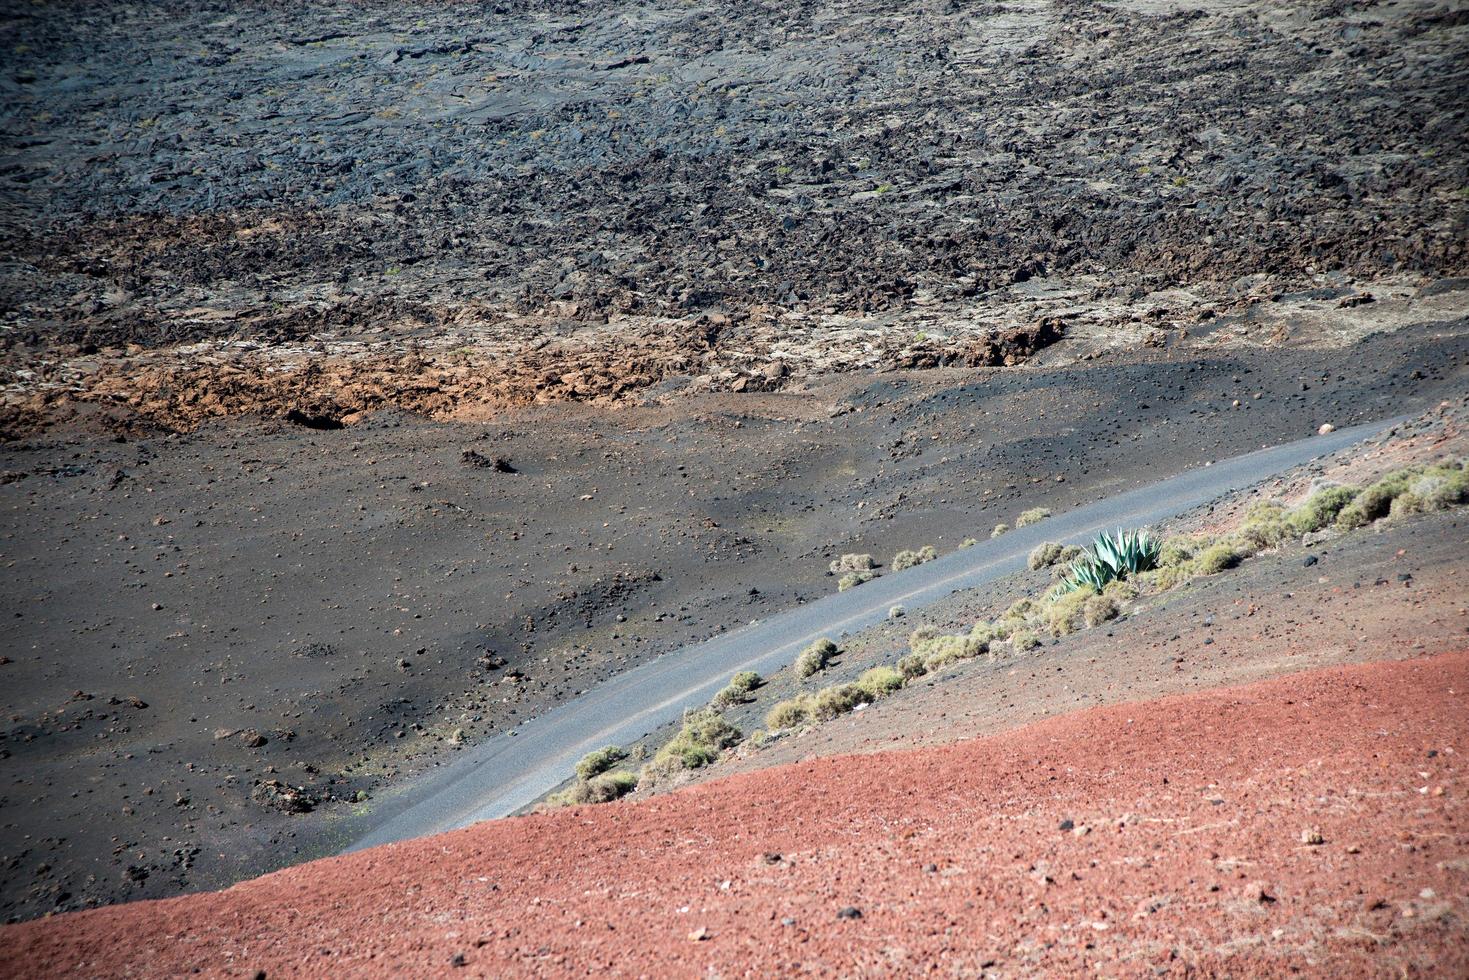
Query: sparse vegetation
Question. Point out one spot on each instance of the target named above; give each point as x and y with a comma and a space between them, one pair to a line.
1033, 516
908, 559
738, 690
598, 762
704, 735
1100, 581
1320, 509
602, 788
1022, 640
968, 543
879, 682
1045, 555
815, 657
852, 563
787, 714
1000, 529
897, 612
853, 579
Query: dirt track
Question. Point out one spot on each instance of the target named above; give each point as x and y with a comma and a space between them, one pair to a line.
1310, 823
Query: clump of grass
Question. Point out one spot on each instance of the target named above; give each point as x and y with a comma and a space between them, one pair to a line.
909, 559
1022, 640
938, 650
912, 665
1000, 529
1065, 612
1033, 516
788, 714
704, 735
897, 612
1374, 502
1441, 487
968, 543
1045, 555
1265, 525
598, 762
1320, 509
1176, 550
601, 788
738, 691
1098, 610
852, 563
833, 702
853, 579
815, 657
1216, 558
879, 682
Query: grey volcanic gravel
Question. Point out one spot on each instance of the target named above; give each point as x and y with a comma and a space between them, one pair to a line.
339, 166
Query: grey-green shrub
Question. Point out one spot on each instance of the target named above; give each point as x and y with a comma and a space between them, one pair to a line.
704, 735
738, 690
788, 714
910, 559
1044, 555
815, 657
853, 579
879, 682
852, 563
833, 702
1320, 509
598, 762
1098, 610
1000, 529
1033, 516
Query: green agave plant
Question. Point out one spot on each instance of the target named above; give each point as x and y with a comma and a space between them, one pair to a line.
1112, 557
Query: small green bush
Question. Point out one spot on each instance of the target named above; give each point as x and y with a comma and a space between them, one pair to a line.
1045, 555
815, 657
1406, 503
1098, 610
897, 612
1176, 550
788, 714
1000, 529
968, 543
910, 559
947, 649
852, 563
1441, 487
738, 690
878, 682
912, 665
602, 788
1216, 558
833, 702
1064, 613
598, 762
1264, 526
1022, 640
704, 735
1320, 509
853, 579
1374, 502
1033, 516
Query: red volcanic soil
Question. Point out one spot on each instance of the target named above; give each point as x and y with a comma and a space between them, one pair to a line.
1160, 838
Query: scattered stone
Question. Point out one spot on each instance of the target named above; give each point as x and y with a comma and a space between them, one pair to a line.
277, 795
1312, 836
1326, 429
1068, 824
850, 912
1309, 560
699, 935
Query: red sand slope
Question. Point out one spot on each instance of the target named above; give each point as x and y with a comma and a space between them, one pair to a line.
955, 859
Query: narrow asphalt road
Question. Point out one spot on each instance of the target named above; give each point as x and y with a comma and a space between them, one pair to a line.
505, 773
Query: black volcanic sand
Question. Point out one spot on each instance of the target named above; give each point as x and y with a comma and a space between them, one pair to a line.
335, 167
192, 617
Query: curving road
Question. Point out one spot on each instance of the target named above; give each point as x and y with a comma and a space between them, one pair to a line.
505, 773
